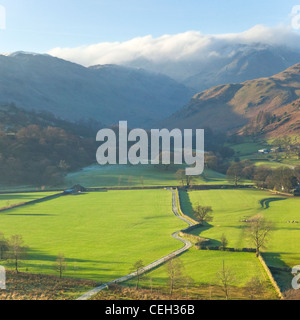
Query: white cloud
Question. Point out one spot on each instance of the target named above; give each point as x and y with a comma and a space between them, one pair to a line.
183, 47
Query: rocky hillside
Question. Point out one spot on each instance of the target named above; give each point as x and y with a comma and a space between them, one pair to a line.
269, 106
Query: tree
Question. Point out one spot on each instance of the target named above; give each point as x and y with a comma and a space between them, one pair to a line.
259, 232
3, 246
226, 279
224, 242
174, 267
184, 178
16, 249
188, 283
254, 288
283, 179
60, 265
260, 176
235, 173
137, 267
202, 214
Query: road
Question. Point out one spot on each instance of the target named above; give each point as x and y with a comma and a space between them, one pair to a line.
175, 235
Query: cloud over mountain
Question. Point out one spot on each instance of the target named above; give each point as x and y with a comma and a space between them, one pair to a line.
182, 47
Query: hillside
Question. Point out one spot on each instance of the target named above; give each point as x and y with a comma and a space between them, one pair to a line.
12, 119
269, 106
40, 149
103, 93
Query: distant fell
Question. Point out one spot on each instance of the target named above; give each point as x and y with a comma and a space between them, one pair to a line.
268, 106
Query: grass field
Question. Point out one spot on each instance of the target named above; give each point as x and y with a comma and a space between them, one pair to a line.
247, 148
101, 234
231, 207
202, 266
9, 199
135, 176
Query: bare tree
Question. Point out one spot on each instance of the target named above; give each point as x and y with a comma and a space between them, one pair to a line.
254, 288
224, 242
137, 267
174, 267
188, 283
60, 265
226, 279
16, 249
202, 214
259, 232
184, 178
235, 173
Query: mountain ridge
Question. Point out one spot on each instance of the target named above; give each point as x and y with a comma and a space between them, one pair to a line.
72, 92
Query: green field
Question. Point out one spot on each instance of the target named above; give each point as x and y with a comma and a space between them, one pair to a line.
202, 266
271, 164
101, 234
247, 148
233, 206
135, 176
9, 199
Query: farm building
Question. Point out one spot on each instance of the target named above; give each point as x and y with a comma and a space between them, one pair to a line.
264, 151
76, 189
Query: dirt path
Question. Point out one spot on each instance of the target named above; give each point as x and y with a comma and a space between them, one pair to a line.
175, 235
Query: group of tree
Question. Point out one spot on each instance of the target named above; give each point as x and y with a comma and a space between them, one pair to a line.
42, 156
280, 179
15, 251
13, 118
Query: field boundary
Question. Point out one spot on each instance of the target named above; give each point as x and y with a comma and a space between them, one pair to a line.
187, 244
269, 273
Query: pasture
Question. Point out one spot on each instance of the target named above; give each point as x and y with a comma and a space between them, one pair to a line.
202, 267
101, 234
231, 207
136, 176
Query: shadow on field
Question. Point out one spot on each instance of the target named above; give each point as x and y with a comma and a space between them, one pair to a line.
40, 262
41, 256
187, 208
185, 202
265, 203
29, 214
280, 270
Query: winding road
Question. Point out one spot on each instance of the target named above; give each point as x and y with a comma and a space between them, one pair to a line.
175, 235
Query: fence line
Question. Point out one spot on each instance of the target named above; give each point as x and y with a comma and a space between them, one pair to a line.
269, 273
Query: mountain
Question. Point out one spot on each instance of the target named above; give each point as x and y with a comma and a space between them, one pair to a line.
105, 93
228, 63
269, 106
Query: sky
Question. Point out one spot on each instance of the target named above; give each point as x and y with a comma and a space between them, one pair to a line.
40, 26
